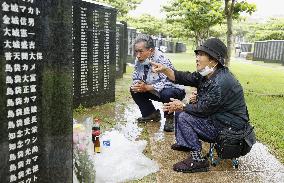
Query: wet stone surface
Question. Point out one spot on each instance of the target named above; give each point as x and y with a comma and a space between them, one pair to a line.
257, 166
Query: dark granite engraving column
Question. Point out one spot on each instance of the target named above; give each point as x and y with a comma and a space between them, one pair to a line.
119, 49
36, 91
125, 45
56, 90
94, 53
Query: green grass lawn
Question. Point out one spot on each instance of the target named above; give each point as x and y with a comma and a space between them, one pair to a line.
264, 92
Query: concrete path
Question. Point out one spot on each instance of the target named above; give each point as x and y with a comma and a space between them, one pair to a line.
258, 166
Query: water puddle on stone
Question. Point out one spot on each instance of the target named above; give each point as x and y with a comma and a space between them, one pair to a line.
257, 166
132, 112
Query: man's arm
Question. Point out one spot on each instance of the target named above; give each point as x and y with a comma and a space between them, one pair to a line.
135, 76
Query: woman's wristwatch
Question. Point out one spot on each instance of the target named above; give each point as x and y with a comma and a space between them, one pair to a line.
183, 106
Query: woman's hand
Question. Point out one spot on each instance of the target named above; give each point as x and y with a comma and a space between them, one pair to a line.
174, 105
193, 97
157, 67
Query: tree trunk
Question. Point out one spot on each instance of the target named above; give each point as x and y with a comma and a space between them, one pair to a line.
229, 8
196, 36
196, 41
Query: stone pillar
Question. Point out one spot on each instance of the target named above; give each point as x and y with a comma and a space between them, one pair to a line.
259, 51
246, 47
94, 35
131, 39
36, 91
119, 49
275, 49
125, 45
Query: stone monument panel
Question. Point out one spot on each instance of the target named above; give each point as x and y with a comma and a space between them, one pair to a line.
36, 91
125, 45
259, 52
94, 45
119, 49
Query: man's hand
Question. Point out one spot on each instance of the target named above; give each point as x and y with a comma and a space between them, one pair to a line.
141, 87
157, 67
174, 105
193, 97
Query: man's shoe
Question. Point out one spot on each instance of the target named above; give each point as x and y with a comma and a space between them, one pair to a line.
177, 147
190, 166
169, 124
155, 116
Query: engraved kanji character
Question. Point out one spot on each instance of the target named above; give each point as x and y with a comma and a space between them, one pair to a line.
25, 56
9, 80
7, 44
11, 136
18, 90
20, 144
13, 178
23, 21
11, 114
11, 125
15, 20
12, 157
5, 7
8, 68
7, 32
19, 133
20, 154
12, 147
31, 22
16, 32
19, 123
6, 20
17, 67
14, 8
17, 79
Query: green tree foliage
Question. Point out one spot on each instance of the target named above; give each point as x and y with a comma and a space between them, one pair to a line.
151, 25
146, 24
219, 31
175, 30
195, 16
123, 6
270, 30
232, 10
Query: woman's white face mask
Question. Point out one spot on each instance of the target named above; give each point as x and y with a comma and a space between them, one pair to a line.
146, 62
205, 71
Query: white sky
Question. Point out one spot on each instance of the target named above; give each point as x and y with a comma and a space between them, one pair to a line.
151, 7
265, 8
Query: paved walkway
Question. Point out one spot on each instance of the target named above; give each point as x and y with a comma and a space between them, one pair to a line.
276, 66
258, 166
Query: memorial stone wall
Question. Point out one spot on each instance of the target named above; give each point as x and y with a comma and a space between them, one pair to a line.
274, 51
36, 91
119, 49
180, 47
125, 45
269, 51
170, 46
259, 51
131, 38
94, 45
246, 47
